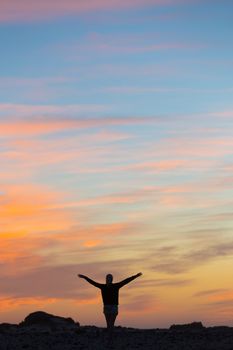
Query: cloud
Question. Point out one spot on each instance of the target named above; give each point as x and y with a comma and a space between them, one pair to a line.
110, 48
218, 303
142, 304
69, 153
35, 230
57, 287
201, 147
222, 114
31, 120
27, 207
8, 304
27, 11
11, 82
133, 197
104, 45
85, 232
158, 166
61, 281
22, 111
210, 292
27, 225
160, 90
40, 89
151, 284
124, 70
178, 262
45, 282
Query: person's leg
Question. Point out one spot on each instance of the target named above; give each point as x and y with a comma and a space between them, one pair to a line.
110, 320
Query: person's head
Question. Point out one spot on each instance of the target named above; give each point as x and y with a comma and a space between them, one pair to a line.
109, 278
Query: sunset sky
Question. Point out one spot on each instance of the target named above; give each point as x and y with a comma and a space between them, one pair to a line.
116, 156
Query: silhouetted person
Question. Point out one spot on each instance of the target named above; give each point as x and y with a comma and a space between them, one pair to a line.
110, 296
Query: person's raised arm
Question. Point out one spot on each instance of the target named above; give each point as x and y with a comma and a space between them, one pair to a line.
96, 284
129, 279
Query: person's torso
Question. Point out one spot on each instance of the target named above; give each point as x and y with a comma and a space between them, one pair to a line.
110, 294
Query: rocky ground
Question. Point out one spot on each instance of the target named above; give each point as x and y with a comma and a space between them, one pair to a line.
55, 335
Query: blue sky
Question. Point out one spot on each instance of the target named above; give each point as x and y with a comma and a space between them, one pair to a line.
147, 61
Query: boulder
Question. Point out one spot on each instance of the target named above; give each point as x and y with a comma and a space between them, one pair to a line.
194, 326
48, 321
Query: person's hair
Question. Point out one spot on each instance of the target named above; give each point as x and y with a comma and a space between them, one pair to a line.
109, 278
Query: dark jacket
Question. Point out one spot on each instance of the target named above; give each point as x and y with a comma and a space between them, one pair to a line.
110, 292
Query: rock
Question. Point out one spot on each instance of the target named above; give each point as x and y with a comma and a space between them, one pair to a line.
194, 326
7, 327
46, 321
191, 337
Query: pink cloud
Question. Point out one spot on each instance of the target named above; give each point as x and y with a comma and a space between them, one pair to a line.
109, 69
122, 44
31, 82
111, 48
39, 126
158, 166
124, 198
22, 110
90, 152
223, 114
27, 10
36, 89
154, 90
196, 146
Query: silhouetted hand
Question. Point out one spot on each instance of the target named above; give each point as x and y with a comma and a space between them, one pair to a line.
81, 276
139, 274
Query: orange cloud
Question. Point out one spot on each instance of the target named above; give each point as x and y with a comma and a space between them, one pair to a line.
92, 243
8, 304
25, 218
34, 228
19, 201
95, 234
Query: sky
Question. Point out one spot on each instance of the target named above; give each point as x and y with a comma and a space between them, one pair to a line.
116, 154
